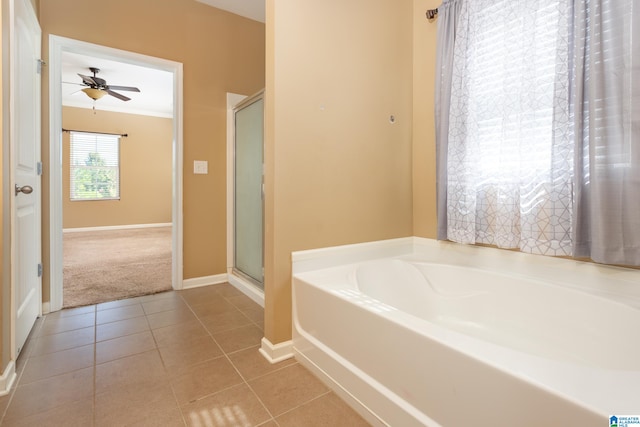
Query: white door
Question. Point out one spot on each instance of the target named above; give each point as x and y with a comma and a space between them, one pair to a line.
25, 157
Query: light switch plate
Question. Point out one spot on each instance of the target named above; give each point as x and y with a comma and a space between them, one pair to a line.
200, 167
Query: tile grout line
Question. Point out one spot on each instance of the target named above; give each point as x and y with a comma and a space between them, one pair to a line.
243, 379
273, 418
203, 325
156, 345
173, 391
219, 347
243, 313
306, 402
34, 335
226, 355
246, 382
12, 392
259, 400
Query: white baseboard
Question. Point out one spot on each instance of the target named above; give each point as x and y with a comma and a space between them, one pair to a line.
116, 227
197, 282
250, 290
7, 378
275, 353
46, 307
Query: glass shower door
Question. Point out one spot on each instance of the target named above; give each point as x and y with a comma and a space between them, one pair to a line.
248, 191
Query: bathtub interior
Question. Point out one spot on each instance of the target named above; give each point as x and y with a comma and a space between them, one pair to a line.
514, 311
594, 377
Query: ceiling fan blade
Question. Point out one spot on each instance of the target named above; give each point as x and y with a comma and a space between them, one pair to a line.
74, 83
129, 88
117, 95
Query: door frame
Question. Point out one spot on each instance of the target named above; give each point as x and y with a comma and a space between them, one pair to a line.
58, 45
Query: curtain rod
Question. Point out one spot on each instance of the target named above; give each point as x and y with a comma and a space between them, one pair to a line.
124, 135
432, 14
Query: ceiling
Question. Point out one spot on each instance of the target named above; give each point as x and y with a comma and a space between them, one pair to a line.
252, 9
156, 87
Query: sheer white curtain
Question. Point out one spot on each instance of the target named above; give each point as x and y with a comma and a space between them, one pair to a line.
510, 156
540, 147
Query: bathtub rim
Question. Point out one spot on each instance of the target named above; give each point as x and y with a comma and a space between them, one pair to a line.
618, 283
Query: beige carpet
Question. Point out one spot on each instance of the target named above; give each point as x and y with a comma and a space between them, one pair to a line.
102, 266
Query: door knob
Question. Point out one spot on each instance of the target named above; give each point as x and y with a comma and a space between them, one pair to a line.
26, 189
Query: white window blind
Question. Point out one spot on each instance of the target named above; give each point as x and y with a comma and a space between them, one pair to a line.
95, 166
610, 111
513, 81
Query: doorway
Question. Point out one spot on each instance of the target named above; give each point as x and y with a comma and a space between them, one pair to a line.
59, 46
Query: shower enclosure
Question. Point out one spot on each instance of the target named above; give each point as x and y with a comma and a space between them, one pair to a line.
248, 260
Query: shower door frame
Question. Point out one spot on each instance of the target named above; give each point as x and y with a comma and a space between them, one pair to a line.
253, 288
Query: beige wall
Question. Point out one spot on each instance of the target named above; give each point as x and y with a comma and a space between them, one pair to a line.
337, 171
221, 53
424, 137
145, 170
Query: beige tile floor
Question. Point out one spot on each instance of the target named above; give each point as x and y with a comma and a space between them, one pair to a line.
185, 358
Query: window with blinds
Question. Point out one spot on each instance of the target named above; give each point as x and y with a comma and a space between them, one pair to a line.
516, 64
611, 70
509, 152
94, 166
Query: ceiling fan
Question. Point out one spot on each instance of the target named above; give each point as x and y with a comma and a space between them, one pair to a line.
97, 87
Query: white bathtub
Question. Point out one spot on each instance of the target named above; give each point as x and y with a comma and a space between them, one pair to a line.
418, 332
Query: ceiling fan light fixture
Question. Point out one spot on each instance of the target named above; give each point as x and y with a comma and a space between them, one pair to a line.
94, 94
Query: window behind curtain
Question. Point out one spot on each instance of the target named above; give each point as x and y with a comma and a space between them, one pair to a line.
611, 103
510, 155
513, 74
537, 126
95, 166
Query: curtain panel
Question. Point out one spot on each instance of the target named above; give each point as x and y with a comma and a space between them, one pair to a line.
447, 16
606, 115
537, 126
